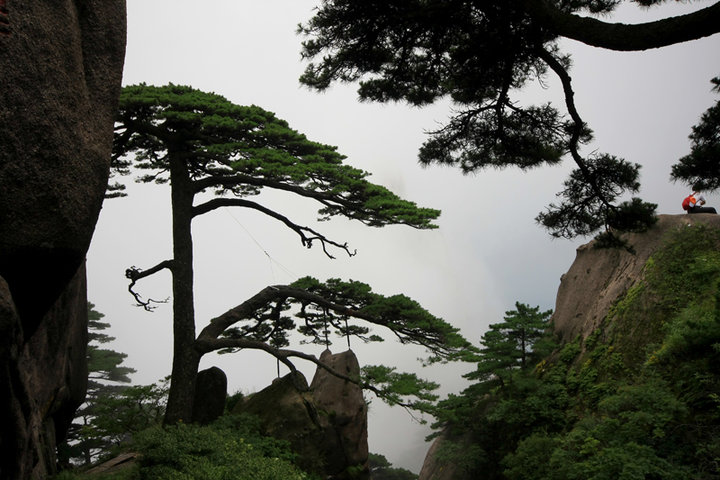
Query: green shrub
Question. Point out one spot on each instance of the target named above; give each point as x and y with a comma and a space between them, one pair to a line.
215, 452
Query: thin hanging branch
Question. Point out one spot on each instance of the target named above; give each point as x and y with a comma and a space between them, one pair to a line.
134, 274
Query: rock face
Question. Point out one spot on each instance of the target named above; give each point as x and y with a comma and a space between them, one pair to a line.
599, 277
43, 380
326, 424
433, 469
60, 71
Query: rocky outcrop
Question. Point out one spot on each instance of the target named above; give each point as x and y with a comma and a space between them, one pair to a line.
599, 277
60, 67
326, 423
287, 411
60, 70
435, 469
344, 407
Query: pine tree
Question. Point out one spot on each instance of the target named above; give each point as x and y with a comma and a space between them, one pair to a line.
201, 142
510, 345
700, 168
481, 54
105, 374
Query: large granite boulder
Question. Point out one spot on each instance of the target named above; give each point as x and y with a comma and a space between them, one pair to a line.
43, 380
210, 395
287, 412
60, 70
325, 424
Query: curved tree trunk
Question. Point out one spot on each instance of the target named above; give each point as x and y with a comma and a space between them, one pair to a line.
186, 358
627, 37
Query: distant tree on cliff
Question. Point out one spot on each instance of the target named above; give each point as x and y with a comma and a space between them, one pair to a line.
505, 400
106, 374
201, 142
509, 345
480, 53
700, 168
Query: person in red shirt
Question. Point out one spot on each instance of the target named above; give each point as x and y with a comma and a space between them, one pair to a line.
694, 202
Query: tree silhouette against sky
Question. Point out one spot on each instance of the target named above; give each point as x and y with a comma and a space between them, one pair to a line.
480, 54
201, 142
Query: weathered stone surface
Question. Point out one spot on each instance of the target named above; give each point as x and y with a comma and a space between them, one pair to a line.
345, 408
435, 469
44, 379
325, 424
11, 411
210, 394
287, 411
598, 277
60, 71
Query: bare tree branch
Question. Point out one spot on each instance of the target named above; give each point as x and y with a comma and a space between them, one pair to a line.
134, 274
303, 232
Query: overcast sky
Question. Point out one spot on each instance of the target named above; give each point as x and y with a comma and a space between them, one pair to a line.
488, 252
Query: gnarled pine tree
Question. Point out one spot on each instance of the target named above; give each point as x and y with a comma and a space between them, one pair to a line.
200, 141
480, 53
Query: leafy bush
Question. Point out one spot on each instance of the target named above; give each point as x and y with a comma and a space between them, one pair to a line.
228, 450
232, 448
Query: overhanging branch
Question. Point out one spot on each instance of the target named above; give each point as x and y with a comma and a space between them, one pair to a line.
578, 123
134, 274
626, 37
406, 334
307, 234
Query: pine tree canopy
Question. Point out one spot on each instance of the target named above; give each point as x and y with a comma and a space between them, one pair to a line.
480, 54
510, 344
238, 151
700, 168
265, 321
328, 307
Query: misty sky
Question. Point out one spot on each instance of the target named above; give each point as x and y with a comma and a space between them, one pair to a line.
488, 252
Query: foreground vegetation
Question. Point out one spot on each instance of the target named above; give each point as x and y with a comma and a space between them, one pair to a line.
231, 448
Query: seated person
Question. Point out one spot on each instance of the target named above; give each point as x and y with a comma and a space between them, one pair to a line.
693, 204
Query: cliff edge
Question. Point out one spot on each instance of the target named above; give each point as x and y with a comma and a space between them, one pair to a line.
631, 389
599, 276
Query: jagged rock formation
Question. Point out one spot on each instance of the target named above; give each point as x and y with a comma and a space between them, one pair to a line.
346, 410
60, 69
326, 423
